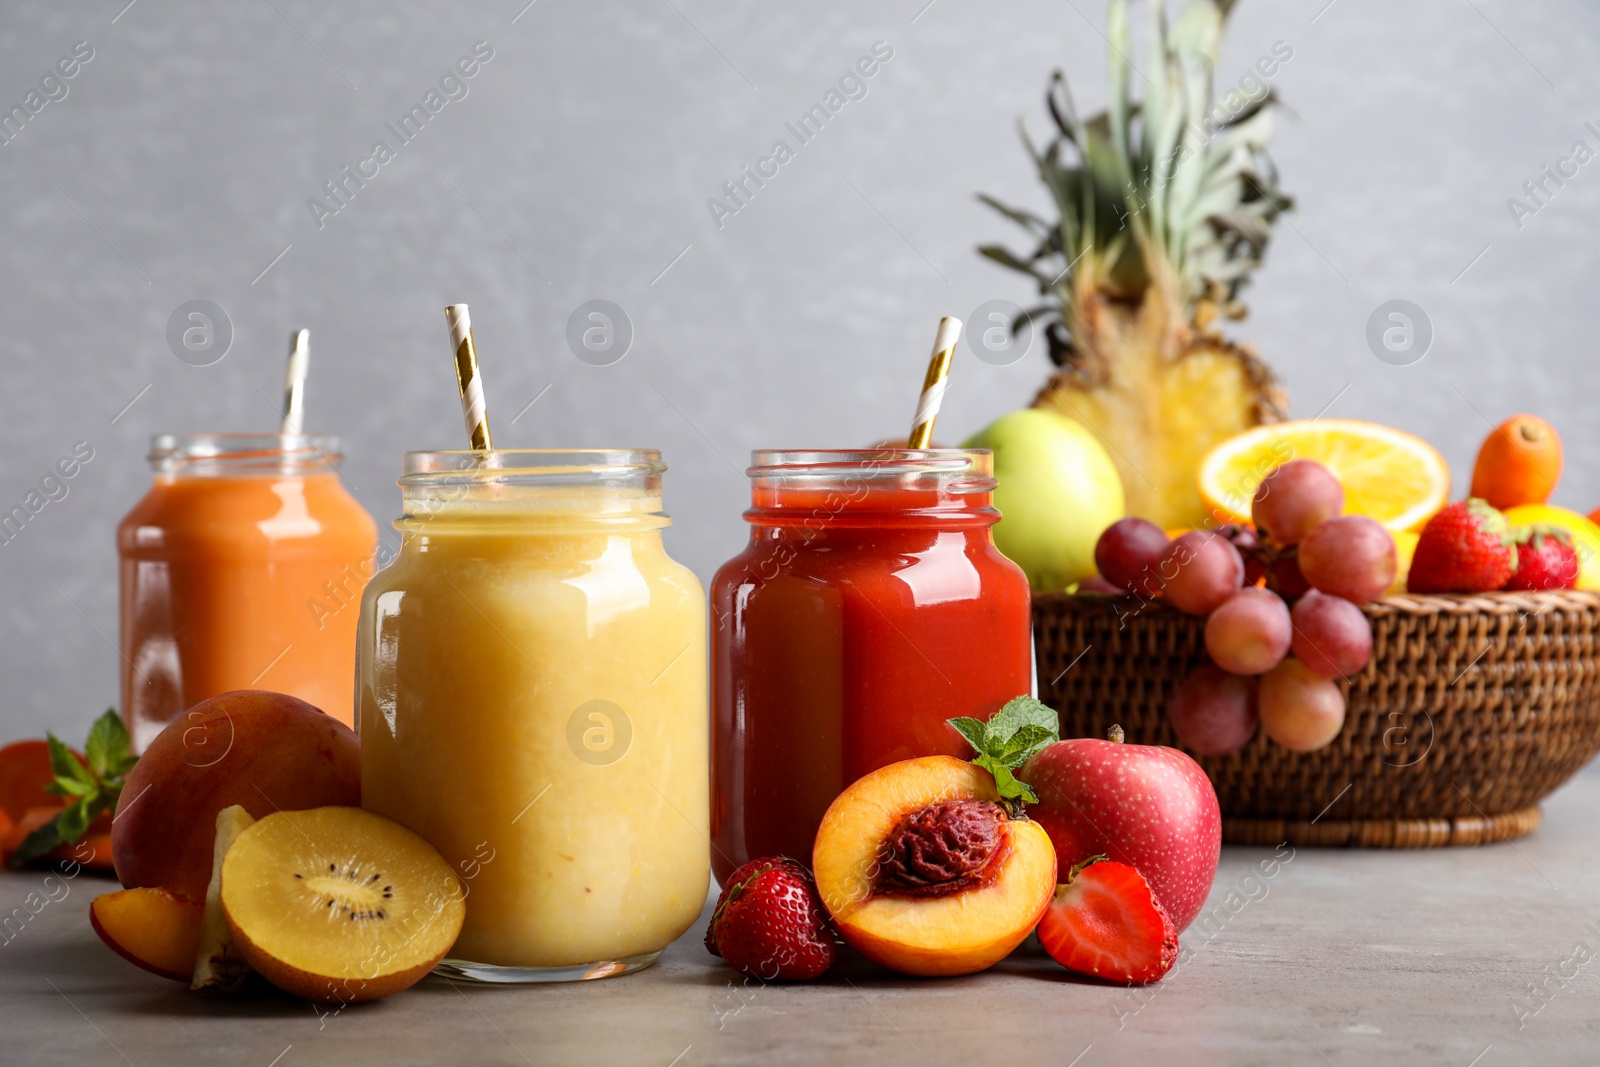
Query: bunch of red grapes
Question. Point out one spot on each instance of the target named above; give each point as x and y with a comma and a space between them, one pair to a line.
1271, 666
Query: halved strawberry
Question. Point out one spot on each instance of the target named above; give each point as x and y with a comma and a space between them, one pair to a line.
1107, 922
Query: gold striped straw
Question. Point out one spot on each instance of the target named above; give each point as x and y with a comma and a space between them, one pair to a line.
294, 383
468, 378
933, 386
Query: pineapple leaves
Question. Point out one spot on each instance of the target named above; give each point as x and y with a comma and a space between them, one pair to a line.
1170, 187
1026, 219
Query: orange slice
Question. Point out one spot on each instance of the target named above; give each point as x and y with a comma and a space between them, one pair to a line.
1389, 475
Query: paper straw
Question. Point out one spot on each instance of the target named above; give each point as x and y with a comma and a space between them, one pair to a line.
294, 383
933, 386
468, 378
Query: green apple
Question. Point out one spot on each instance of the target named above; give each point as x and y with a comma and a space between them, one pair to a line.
1058, 491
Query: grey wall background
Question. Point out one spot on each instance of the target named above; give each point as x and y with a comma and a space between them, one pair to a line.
179, 164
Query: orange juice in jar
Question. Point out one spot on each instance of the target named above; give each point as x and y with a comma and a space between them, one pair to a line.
241, 568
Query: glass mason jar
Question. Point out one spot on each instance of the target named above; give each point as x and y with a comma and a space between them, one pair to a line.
236, 570
533, 702
869, 606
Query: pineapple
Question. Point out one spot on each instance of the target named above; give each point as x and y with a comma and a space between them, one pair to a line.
1166, 206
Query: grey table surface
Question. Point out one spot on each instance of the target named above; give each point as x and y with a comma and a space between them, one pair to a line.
1479, 957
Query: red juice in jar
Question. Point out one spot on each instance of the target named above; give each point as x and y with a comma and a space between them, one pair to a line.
870, 606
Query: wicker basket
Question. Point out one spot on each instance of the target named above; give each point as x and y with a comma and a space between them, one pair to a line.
1472, 710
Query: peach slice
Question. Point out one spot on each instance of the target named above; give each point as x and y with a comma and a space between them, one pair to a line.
339, 905
153, 928
926, 872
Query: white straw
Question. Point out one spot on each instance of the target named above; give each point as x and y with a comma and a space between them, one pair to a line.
294, 383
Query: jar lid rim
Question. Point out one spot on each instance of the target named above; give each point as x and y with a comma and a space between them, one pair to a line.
422, 467
869, 462
243, 447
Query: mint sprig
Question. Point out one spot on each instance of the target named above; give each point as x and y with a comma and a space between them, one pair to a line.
94, 783
1011, 737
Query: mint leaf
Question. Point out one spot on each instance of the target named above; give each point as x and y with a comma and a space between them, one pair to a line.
108, 745
70, 823
1022, 745
39, 842
64, 765
973, 730
74, 819
1011, 737
1005, 783
95, 782
1023, 711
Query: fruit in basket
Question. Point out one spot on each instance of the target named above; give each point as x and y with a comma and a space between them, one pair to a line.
1128, 555
1585, 535
1350, 556
1287, 577
1331, 635
1546, 559
1248, 541
1213, 712
1106, 922
152, 928
925, 871
1518, 463
263, 751
1146, 256
1294, 499
1249, 633
1467, 547
1199, 571
1056, 490
1405, 546
1388, 475
770, 924
1300, 709
1148, 806
339, 905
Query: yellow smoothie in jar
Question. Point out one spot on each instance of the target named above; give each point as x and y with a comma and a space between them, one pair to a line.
532, 700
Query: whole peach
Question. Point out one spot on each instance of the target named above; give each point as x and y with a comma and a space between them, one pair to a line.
265, 751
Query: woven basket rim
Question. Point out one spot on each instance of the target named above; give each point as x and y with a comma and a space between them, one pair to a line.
1495, 603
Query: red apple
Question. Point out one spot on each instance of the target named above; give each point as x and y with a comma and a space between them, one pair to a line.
1148, 806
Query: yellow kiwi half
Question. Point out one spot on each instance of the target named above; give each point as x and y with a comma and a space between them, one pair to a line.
339, 905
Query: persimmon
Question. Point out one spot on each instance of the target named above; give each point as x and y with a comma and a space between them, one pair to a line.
1519, 463
93, 850
24, 772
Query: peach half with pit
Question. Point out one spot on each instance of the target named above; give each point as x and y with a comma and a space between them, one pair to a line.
926, 870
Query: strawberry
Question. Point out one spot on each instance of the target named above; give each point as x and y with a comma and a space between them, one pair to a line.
1546, 559
1466, 548
1106, 921
769, 922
